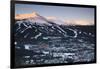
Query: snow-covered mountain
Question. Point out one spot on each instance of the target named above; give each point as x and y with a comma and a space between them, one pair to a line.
34, 26
34, 19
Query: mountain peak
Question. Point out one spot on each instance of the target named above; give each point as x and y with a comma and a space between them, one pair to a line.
34, 13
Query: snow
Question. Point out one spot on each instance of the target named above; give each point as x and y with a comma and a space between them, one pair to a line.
74, 31
46, 52
15, 43
26, 35
80, 32
90, 34
26, 29
45, 38
63, 55
38, 35
27, 47
63, 32
26, 56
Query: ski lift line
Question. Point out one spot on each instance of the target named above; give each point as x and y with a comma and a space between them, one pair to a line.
38, 35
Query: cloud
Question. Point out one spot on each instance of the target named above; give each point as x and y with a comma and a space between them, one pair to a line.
56, 20
51, 18
72, 21
26, 15
79, 22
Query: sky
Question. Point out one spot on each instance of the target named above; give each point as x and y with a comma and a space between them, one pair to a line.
76, 15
